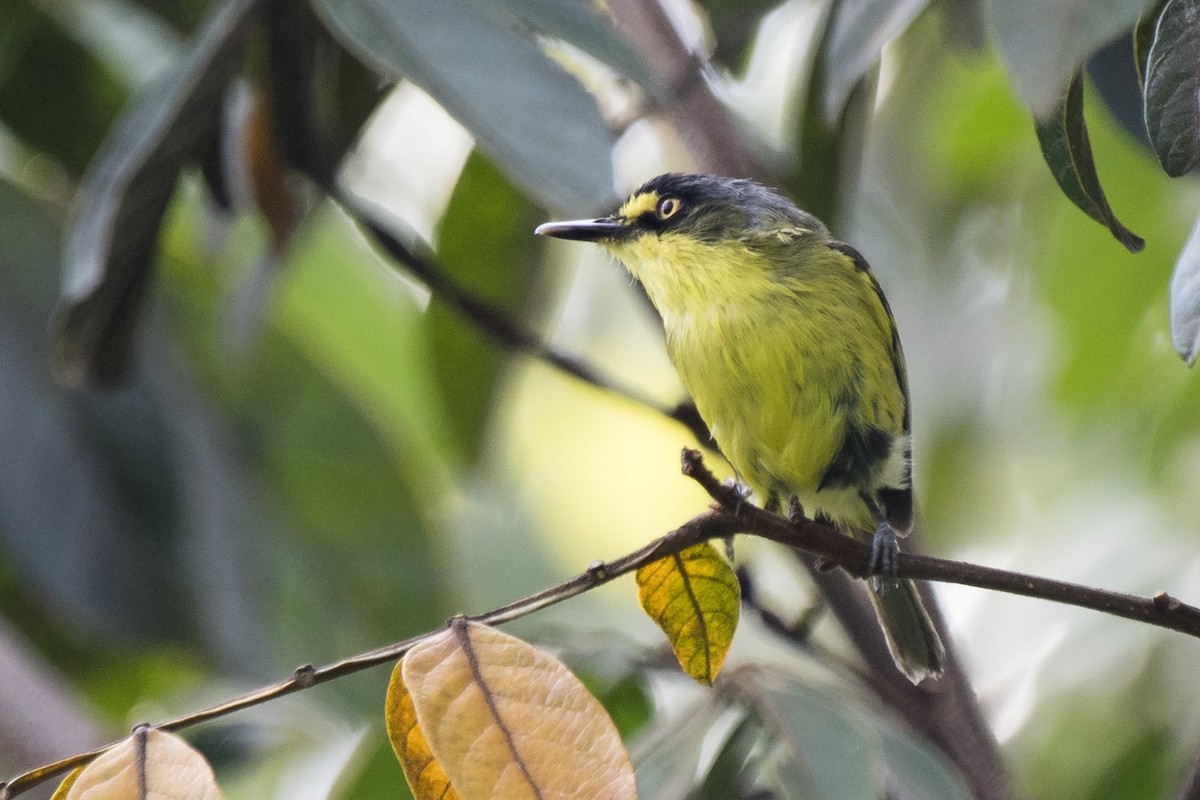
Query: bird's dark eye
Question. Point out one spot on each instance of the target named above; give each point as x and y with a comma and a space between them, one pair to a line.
668, 207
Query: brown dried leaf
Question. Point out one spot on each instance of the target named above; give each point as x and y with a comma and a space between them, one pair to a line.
149, 765
425, 775
508, 722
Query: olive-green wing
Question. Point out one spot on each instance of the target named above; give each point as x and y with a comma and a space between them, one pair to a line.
896, 502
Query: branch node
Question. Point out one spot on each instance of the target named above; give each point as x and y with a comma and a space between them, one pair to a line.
1165, 602
727, 497
305, 675
691, 461
597, 570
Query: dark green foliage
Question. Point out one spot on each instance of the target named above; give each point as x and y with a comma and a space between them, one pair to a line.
1068, 152
110, 245
484, 244
1173, 88
67, 116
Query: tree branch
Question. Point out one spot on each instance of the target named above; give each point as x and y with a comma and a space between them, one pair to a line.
729, 515
852, 555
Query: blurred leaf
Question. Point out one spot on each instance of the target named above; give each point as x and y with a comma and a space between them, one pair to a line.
583, 24
85, 519
168, 766
538, 123
1044, 42
1173, 88
424, 774
735, 24
965, 26
733, 769
295, 39
483, 243
1143, 38
1114, 76
860, 30
830, 150
380, 776
826, 752
267, 174
1185, 299
1145, 770
30, 253
917, 772
1068, 152
668, 755
506, 720
324, 414
628, 704
695, 598
54, 94
109, 247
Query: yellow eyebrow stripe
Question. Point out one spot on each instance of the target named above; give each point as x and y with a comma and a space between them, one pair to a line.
638, 204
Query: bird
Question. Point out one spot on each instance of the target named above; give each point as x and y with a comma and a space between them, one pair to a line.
786, 343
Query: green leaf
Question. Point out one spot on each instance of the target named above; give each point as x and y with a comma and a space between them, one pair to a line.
483, 242
737, 22
667, 757
917, 770
1185, 299
72, 531
55, 96
334, 420
108, 250
826, 752
582, 23
1044, 42
736, 765
1068, 152
1143, 38
861, 29
538, 123
1172, 83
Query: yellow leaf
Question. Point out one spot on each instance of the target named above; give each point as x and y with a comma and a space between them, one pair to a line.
61, 792
695, 598
425, 775
150, 764
508, 722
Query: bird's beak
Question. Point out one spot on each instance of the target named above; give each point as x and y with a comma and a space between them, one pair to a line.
585, 230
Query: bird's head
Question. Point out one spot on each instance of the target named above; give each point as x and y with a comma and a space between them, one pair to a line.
686, 237
707, 208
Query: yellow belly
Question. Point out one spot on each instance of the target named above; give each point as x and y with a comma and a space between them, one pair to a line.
778, 388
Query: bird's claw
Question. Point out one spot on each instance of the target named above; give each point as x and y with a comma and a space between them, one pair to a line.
743, 492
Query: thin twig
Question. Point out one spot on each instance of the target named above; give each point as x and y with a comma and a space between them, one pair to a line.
728, 515
705, 526
502, 328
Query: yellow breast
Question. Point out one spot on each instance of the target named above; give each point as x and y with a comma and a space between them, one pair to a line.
778, 364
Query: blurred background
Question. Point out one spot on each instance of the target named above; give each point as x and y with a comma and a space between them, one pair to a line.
311, 453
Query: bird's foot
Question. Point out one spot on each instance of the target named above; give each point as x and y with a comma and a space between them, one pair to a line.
795, 512
884, 561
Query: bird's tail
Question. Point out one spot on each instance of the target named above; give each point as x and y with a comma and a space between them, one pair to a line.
911, 635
